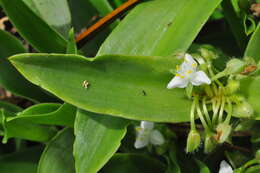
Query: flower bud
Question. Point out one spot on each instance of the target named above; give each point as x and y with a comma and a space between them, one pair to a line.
193, 141
210, 143
243, 110
257, 155
232, 87
235, 66
207, 54
223, 132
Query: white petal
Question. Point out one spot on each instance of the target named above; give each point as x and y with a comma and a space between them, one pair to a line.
200, 78
147, 125
188, 64
177, 82
189, 59
225, 167
142, 139
156, 138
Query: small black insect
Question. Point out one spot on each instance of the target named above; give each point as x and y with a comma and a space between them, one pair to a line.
144, 93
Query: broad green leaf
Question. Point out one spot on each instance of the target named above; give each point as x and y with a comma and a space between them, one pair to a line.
133, 163
47, 113
57, 156
10, 78
37, 32
250, 88
56, 13
20, 162
97, 138
159, 27
252, 49
132, 87
24, 130
10, 107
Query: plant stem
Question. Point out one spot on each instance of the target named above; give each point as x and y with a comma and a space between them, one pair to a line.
229, 111
206, 113
192, 115
220, 117
204, 123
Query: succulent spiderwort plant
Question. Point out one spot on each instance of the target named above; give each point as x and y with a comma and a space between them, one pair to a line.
146, 134
212, 102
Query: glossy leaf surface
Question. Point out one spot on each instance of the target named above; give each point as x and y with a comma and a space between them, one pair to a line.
10, 78
170, 26
57, 156
36, 31
136, 88
97, 138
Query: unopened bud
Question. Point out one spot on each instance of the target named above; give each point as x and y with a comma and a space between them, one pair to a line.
210, 143
232, 87
223, 132
193, 141
235, 66
257, 155
243, 110
207, 54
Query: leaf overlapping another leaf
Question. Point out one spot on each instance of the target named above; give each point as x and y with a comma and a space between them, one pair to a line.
124, 86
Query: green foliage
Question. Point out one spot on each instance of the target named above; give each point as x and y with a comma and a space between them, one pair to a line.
86, 111
92, 151
139, 92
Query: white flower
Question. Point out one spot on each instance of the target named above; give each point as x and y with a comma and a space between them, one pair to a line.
146, 134
187, 73
225, 167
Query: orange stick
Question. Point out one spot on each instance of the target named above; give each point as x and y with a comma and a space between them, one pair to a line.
106, 20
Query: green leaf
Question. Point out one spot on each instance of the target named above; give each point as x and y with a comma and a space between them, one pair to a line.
173, 165
37, 32
92, 149
102, 6
57, 156
47, 113
71, 46
252, 49
20, 162
84, 14
235, 23
170, 26
124, 86
129, 163
54, 12
249, 24
10, 78
10, 107
24, 130
202, 167
249, 86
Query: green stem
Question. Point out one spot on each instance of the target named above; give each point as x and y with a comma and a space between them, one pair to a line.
206, 113
216, 105
229, 115
204, 123
220, 117
192, 115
